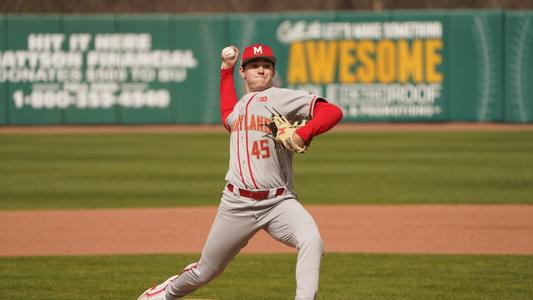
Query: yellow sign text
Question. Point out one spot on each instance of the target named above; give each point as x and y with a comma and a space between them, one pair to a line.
365, 61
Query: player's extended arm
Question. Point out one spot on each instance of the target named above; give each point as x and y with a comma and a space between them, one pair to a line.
325, 117
228, 95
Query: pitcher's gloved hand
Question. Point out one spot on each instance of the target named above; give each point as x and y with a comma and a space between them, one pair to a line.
283, 131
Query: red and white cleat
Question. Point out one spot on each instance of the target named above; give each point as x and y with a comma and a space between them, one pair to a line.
157, 292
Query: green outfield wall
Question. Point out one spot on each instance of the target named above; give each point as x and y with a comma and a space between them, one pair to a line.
396, 66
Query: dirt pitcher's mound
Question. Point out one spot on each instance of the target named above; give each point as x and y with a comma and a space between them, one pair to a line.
494, 229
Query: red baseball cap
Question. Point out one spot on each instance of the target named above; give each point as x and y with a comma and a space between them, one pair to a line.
257, 51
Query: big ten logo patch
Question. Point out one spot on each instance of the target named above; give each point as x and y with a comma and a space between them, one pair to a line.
262, 99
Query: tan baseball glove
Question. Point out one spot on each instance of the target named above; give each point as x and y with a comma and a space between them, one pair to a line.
283, 130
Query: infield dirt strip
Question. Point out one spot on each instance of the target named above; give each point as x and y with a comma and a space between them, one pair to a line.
452, 229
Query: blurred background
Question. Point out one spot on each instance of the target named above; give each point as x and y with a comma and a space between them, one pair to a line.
229, 6
156, 62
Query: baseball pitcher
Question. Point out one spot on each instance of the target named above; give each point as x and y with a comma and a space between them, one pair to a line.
267, 126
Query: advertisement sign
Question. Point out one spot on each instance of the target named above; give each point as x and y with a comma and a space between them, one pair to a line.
391, 66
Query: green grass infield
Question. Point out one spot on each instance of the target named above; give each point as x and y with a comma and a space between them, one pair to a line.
267, 277
186, 169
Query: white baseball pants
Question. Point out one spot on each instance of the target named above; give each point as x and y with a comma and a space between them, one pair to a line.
236, 222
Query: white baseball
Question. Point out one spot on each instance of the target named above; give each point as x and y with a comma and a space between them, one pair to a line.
228, 52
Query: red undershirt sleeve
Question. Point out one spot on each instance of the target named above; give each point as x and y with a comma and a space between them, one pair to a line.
228, 95
325, 116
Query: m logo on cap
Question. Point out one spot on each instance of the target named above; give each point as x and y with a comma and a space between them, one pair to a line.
258, 50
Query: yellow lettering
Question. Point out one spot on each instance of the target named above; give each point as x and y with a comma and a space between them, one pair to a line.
366, 72
322, 58
365, 61
297, 72
410, 61
386, 64
433, 59
346, 61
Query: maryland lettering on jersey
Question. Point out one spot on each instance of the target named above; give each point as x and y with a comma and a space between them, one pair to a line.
257, 123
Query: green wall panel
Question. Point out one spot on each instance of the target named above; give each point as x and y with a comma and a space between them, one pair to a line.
431, 29
351, 90
92, 94
144, 98
30, 95
477, 66
392, 66
519, 67
197, 98
3, 82
303, 54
